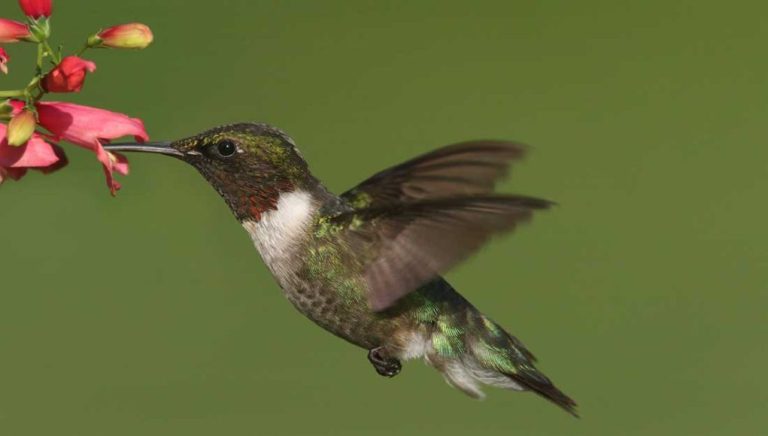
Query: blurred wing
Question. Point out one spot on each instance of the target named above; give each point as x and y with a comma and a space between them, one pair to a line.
467, 168
403, 246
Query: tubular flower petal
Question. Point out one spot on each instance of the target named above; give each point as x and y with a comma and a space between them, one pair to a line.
69, 75
36, 8
59, 164
11, 173
4, 61
90, 127
21, 128
132, 35
13, 31
36, 153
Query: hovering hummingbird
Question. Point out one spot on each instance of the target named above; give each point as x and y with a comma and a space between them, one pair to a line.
366, 265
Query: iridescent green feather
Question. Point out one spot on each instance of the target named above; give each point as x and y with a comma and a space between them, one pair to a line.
325, 261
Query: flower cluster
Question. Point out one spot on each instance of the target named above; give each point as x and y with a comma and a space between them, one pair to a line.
30, 128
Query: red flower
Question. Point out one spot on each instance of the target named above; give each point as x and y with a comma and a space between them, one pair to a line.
90, 127
13, 31
132, 35
36, 153
4, 61
69, 75
36, 8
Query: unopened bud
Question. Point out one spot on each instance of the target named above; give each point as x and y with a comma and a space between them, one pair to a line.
21, 128
68, 76
13, 31
36, 8
133, 35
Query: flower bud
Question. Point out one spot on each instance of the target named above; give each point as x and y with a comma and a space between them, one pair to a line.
133, 35
13, 31
21, 128
68, 76
3, 61
36, 8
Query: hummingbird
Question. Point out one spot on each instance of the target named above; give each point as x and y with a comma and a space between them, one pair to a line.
367, 265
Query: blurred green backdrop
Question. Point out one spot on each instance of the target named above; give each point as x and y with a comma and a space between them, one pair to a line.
643, 294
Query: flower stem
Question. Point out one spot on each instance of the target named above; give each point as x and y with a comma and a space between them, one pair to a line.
40, 56
82, 50
55, 57
12, 94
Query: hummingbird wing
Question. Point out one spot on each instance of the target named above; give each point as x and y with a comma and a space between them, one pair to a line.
467, 168
401, 246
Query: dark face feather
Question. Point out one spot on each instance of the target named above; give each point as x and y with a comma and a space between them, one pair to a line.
250, 165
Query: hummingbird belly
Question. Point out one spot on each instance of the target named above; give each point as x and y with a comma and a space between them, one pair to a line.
342, 309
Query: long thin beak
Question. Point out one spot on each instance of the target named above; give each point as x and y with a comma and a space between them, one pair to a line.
149, 147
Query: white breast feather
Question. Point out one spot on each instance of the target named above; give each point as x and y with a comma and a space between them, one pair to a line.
280, 231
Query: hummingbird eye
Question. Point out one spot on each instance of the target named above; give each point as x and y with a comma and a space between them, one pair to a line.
226, 148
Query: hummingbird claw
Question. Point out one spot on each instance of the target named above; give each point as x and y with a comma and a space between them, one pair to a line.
384, 364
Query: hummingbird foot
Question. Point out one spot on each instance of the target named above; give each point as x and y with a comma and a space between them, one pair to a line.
383, 363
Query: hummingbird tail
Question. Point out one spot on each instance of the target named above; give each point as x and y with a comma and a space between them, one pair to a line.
471, 350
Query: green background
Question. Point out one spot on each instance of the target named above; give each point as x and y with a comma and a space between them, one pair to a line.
643, 294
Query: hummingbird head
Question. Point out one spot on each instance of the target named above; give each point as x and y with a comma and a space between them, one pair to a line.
249, 164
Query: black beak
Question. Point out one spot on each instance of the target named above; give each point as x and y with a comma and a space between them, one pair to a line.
150, 147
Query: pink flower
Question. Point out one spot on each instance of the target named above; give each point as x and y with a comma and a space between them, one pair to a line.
36, 8
69, 75
90, 127
36, 153
13, 31
132, 35
4, 61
